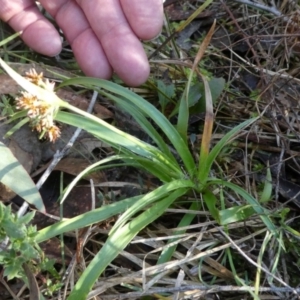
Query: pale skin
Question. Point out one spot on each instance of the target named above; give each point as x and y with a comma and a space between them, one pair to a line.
104, 34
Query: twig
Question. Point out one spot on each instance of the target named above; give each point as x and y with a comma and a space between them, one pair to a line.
271, 9
265, 71
206, 289
245, 35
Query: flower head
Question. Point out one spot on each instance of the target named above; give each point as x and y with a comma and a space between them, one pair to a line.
26, 101
53, 133
34, 77
49, 85
40, 112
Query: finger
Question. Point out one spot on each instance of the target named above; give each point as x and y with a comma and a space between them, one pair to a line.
38, 33
86, 46
145, 17
122, 47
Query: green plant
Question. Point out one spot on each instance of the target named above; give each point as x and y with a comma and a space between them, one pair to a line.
20, 253
15, 177
6, 108
22, 247
178, 176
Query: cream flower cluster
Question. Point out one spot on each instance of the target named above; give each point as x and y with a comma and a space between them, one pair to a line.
39, 112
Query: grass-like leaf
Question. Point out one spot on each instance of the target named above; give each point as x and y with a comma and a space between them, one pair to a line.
211, 201
10, 38
235, 214
141, 119
118, 138
204, 171
268, 187
149, 110
151, 197
262, 212
16, 127
187, 219
86, 219
117, 242
14, 176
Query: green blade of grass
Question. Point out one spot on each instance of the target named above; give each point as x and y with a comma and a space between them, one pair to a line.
203, 165
211, 201
129, 160
183, 114
162, 172
117, 138
17, 115
138, 115
14, 176
86, 219
228, 137
10, 38
235, 214
262, 251
268, 187
151, 197
187, 219
16, 127
116, 243
147, 108
262, 212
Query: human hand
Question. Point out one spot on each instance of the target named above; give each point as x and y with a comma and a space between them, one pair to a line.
104, 34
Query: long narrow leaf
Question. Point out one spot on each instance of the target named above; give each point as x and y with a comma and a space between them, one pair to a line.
151, 197
193, 15
14, 176
86, 219
236, 214
203, 174
148, 109
183, 115
211, 201
13, 129
137, 114
268, 187
204, 166
116, 243
130, 160
10, 38
187, 219
117, 138
161, 172
98, 165
263, 213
